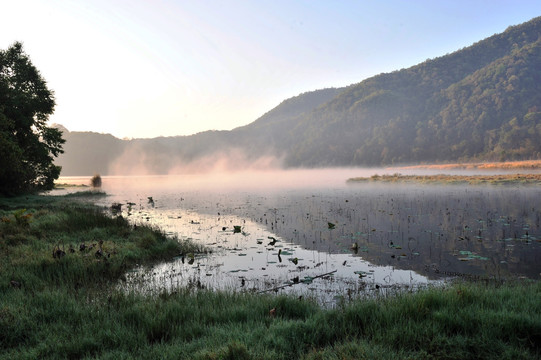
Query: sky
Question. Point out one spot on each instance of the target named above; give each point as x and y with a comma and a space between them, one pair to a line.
149, 68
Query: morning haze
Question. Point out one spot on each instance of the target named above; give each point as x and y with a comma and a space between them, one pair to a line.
480, 103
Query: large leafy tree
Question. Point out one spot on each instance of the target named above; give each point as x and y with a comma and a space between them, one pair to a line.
27, 145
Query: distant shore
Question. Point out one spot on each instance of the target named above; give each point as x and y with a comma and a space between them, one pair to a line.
510, 179
521, 177
511, 165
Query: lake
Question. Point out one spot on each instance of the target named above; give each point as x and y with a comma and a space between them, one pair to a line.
310, 233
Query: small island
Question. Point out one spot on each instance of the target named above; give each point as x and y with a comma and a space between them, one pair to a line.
506, 179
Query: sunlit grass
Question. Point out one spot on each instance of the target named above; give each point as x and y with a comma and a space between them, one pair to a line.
509, 179
524, 164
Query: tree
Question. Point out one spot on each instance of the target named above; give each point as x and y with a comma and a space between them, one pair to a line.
27, 145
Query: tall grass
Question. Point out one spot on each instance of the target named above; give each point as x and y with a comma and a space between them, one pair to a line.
66, 243
68, 306
482, 322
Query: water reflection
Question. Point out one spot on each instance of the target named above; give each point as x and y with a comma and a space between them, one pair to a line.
383, 236
257, 260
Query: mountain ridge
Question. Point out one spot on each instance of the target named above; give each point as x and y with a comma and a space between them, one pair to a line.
481, 102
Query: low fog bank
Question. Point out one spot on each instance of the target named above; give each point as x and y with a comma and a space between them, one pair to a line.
133, 161
139, 160
220, 179
232, 169
151, 169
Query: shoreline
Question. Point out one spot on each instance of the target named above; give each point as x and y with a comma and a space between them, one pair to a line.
508, 179
497, 165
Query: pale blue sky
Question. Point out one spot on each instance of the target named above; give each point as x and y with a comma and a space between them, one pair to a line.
137, 68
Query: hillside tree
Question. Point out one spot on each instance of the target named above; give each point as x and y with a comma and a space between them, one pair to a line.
27, 145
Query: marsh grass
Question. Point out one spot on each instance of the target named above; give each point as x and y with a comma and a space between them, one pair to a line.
511, 179
522, 164
58, 185
86, 194
67, 242
68, 306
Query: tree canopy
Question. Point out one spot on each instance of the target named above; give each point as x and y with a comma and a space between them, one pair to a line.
27, 145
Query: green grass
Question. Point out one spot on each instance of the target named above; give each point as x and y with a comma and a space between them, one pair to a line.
68, 307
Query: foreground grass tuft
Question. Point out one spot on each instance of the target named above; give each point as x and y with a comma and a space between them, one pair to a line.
67, 306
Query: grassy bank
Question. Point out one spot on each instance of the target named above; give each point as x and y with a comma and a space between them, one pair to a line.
509, 179
496, 165
56, 305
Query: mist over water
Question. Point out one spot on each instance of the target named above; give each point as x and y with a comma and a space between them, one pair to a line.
136, 160
268, 180
382, 235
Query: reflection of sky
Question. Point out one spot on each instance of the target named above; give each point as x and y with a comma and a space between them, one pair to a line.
249, 256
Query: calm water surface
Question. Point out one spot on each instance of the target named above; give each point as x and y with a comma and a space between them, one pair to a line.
309, 233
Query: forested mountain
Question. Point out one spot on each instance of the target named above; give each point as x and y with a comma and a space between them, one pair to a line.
477, 103
482, 102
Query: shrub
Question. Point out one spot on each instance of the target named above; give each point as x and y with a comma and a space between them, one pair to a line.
95, 182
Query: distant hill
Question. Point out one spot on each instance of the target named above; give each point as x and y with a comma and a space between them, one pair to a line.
482, 102
87, 153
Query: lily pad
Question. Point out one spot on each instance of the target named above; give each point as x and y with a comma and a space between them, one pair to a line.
471, 256
362, 274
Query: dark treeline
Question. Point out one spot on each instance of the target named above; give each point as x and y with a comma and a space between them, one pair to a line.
482, 102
